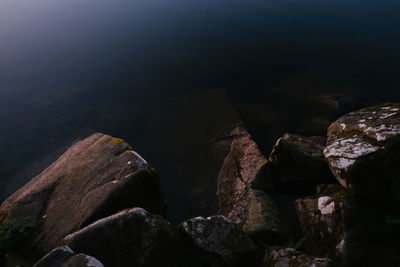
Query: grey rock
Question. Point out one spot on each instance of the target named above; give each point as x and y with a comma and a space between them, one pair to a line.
131, 237
289, 257
65, 257
364, 141
322, 221
218, 235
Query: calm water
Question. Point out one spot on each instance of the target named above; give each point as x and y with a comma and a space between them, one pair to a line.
69, 66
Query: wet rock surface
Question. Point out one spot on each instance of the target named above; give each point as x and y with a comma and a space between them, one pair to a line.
65, 257
95, 178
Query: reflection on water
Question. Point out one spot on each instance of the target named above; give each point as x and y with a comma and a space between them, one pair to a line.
108, 65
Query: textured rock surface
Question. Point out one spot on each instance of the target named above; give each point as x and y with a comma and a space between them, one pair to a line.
65, 257
322, 221
289, 257
237, 199
218, 235
95, 178
298, 159
364, 143
131, 237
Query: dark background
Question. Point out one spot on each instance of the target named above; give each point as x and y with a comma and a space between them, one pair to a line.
125, 67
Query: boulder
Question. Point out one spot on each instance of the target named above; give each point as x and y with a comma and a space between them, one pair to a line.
299, 161
219, 240
96, 177
65, 257
251, 209
322, 221
289, 257
363, 145
131, 237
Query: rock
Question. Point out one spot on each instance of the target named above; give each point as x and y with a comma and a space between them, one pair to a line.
364, 144
299, 160
95, 178
219, 236
322, 221
65, 257
289, 257
251, 209
131, 237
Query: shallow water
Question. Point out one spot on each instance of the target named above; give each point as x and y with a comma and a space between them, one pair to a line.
68, 66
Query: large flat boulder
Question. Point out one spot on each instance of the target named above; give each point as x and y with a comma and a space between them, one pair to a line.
253, 210
131, 237
96, 177
364, 145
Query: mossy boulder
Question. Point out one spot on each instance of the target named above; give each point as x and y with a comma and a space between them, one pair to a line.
131, 237
65, 257
218, 241
96, 177
364, 145
289, 257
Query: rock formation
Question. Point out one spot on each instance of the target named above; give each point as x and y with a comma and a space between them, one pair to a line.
93, 179
252, 209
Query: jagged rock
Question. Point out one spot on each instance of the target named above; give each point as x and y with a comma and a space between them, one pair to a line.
322, 221
131, 237
95, 178
299, 160
364, 144
65, 257
251, 209
219, 237
289, 257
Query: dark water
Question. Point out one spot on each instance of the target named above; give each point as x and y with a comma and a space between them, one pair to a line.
69, 67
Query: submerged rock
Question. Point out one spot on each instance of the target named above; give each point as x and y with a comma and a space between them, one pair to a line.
251, 209
364, 144
219, 236
131, 237
65, 257
289, 257
299, 160
95, 178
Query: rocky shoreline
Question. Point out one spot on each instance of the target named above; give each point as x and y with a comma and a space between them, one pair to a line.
101, 204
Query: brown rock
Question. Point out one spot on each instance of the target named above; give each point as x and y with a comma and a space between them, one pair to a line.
252, 209
95, 178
